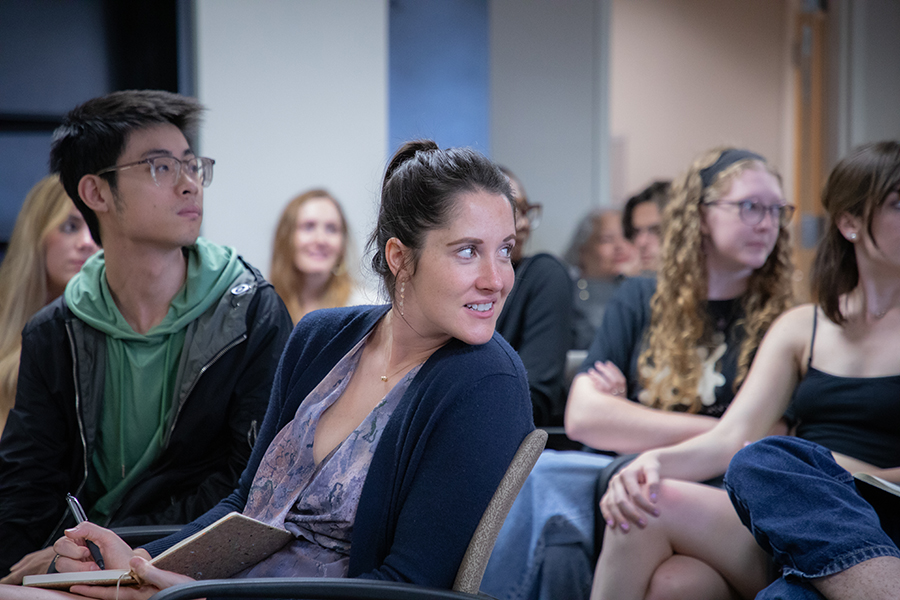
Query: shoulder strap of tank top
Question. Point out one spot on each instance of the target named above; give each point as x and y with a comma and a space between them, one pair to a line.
812, 342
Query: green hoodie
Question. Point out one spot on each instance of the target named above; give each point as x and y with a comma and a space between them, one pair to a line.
141, 369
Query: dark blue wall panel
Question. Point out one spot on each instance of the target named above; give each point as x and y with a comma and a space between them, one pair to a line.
52, 57
439, 72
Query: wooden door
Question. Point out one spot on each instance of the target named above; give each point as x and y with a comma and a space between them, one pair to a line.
809, 160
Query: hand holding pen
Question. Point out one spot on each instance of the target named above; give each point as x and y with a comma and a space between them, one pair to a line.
75, 554
80, 517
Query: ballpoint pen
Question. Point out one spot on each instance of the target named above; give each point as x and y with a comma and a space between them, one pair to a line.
80, 517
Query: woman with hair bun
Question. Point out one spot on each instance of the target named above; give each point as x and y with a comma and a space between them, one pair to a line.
667, 536
309, 255
389, 427
49, 243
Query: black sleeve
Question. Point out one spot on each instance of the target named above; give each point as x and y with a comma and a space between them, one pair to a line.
545, 334
453, 482
621, 334
37, 462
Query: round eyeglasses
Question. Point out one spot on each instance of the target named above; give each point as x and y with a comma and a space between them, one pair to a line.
165, 170
532, 212
753, 211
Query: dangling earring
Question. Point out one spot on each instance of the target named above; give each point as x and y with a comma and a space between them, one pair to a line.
402, 290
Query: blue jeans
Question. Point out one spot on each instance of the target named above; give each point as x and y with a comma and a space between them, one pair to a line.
546, 546
805, 511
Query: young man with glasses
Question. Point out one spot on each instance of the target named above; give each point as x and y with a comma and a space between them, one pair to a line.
142, 387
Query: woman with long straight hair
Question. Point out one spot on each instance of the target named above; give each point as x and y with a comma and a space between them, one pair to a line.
309, 255
49, 243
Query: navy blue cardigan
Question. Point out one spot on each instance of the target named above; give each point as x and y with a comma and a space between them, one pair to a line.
440, 457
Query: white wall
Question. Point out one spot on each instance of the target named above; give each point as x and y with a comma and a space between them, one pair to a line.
548, 117
297, 93
297, 98
593, 99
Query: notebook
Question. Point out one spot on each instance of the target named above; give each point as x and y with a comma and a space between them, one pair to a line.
223, 549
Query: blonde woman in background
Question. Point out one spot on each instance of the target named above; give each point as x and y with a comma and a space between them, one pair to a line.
309, 257
679, 346
49, 244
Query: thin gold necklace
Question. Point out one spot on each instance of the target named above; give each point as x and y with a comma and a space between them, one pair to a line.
385, 377
407, 365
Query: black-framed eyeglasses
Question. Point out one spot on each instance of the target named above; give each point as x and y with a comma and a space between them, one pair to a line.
753, 211
532, 212
165, 170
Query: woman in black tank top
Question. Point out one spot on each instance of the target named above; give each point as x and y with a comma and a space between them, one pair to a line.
666, 534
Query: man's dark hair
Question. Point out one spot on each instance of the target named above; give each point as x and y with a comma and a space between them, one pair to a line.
658, 192
93, 136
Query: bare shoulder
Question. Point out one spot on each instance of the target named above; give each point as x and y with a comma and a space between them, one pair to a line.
792, 331
800, 316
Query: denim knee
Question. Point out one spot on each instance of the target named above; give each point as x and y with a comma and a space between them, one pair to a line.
803, 508
552, 521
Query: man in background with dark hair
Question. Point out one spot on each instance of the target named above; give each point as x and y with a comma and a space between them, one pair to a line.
141, 388
642, 222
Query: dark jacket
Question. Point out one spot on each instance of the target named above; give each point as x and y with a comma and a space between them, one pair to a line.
440, 457
223, 383
537, 322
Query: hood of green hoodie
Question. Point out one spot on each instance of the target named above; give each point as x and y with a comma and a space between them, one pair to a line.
210, 270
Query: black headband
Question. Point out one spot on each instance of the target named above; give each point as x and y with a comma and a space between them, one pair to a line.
726, 159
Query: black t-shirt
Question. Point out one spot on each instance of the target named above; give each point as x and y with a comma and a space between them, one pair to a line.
620, 340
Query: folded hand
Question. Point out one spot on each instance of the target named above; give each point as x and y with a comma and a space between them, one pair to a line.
608, 378
631, 495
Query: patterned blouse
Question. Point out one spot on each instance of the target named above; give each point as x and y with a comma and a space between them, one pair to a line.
317, 502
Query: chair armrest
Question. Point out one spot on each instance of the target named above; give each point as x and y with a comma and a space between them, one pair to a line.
138, 535
320, 588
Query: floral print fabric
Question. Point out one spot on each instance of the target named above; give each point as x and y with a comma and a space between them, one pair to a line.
317, 502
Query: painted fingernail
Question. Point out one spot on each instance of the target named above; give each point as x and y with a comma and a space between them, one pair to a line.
609, 523
624, 526
655, 512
